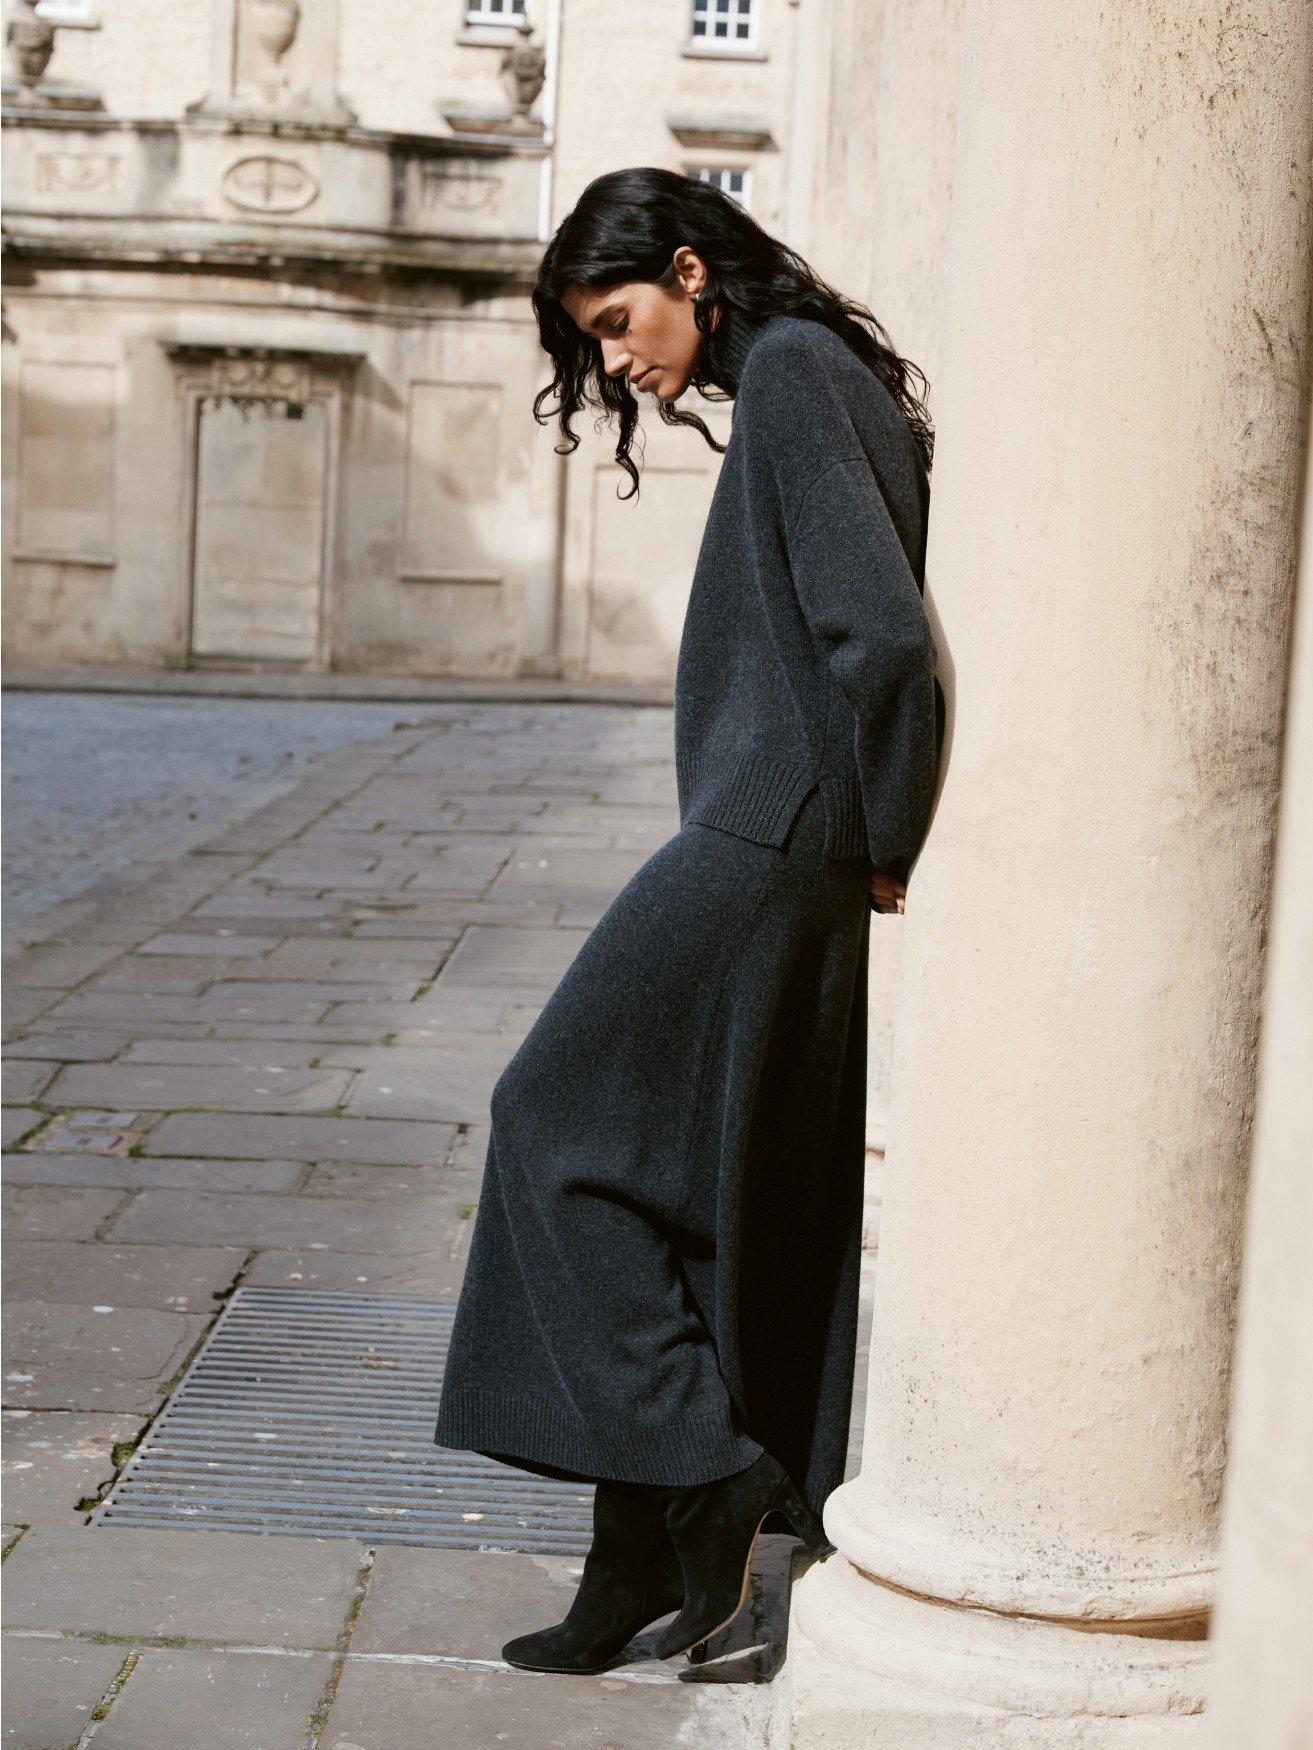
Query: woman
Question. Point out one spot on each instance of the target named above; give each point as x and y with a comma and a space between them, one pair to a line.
661, 1293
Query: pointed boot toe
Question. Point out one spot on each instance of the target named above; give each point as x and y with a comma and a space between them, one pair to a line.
632, 1576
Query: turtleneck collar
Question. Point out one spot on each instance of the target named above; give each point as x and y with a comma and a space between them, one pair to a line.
743, 332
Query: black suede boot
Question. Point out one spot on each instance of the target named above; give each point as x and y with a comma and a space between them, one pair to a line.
631, 1577
714, 1527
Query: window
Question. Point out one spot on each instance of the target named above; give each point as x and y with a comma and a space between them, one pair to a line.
494, 11
733, 182
722, 21
80, 14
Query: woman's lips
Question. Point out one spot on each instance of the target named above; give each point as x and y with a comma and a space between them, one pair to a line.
642, 382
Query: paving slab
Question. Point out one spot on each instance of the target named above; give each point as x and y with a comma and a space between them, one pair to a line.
462, 1604
429, 1275
173, 1278
17, 1121
57, 1212
165, 1087
80, 1358
386, 1706
55, 1458
401, 1141
22, 1079
415, 1224
52, 1688
357, 1179
225, 1587
226, 946
515, 964
152, 1012
56, 966
228, 1053
136, 1173
436, 1010
60, 1047
247, 1701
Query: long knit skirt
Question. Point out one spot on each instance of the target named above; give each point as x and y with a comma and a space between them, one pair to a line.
663, 1272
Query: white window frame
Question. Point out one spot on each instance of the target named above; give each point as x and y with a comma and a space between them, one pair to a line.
71, 14
714, 173
476, 18
707, 12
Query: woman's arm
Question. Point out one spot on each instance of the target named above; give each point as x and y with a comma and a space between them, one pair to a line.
861, 601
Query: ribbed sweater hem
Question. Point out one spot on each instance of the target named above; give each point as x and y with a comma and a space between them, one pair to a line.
757, 797
691, 1449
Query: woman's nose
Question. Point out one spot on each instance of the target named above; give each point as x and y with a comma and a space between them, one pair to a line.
614, 365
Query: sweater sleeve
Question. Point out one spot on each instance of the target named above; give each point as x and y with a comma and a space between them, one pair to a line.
859, 596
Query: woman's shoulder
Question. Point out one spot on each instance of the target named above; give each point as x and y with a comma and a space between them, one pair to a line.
800, 362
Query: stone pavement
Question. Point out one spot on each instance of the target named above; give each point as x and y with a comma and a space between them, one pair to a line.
268, 1062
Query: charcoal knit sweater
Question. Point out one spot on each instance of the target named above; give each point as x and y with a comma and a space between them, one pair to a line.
807, 658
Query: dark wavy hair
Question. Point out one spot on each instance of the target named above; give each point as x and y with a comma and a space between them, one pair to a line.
627, 225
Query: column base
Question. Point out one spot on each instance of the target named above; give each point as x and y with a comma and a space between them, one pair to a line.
873, 1668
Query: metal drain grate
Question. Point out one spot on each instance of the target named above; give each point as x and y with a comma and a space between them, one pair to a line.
311, 1414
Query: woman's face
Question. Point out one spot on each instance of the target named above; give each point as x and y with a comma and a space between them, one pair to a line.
646, 332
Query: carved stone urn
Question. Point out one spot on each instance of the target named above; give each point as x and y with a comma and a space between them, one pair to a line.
31, 42
523, 71
274, 24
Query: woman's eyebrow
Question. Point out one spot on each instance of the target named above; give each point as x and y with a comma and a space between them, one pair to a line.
605, 311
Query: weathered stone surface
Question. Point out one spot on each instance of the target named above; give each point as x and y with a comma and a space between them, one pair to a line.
173, 1278
400, 1225
23, 1079
76, 1358
461, 1603
52, 1688
436, 1010
518, 965
430, 1275
566, 875
422, 1083
397, 1706
55, 1458
357, 1179
249, 1003
225, 947
16, 1122
226, 1053
56, 1212
263, 1591
135, 1172
404, 1141
156, 1087
252, 1701
62, 1047
57, 965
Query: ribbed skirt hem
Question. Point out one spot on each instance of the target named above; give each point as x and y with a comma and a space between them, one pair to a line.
693, 1449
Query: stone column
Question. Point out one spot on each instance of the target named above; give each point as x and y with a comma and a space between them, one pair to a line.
1262, 1683
1029, 1547
875, 106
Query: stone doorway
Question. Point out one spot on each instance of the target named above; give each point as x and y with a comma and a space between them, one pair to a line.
258, 549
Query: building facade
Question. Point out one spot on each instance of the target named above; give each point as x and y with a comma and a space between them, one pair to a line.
270, 357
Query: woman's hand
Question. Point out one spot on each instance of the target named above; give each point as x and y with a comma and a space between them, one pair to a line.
887, 894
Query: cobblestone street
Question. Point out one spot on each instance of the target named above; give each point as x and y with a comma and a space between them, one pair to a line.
267, 1062
94, 780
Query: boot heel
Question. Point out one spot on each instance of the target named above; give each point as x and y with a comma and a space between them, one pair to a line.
806, 1523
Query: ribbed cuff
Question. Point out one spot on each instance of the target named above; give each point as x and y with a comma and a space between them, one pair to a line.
845, 818
691, 1449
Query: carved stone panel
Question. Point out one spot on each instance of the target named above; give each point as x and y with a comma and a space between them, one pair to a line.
453, 489
66, 462
268, 182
